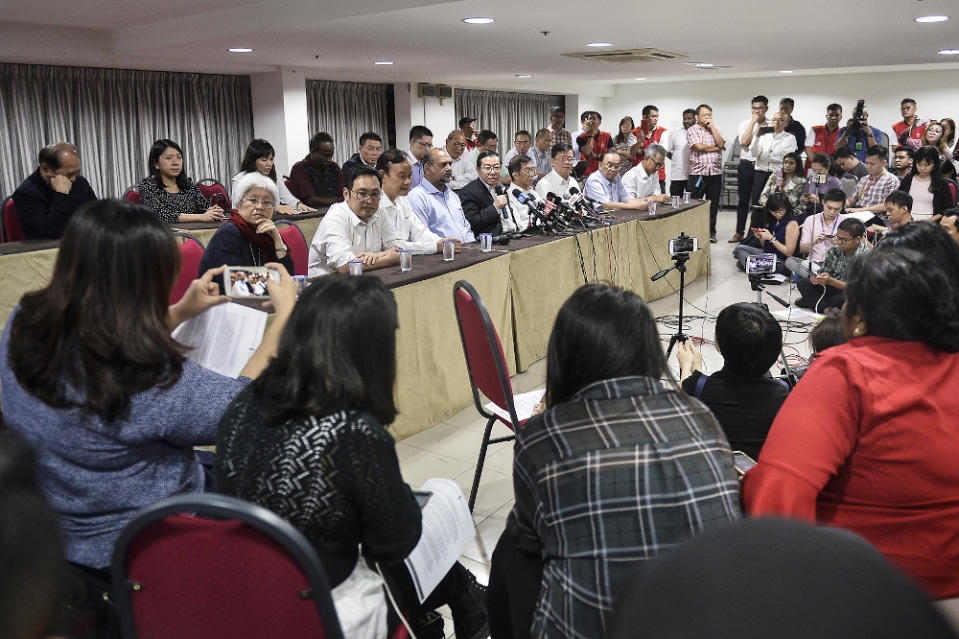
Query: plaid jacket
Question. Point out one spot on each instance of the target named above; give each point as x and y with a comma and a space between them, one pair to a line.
607, 480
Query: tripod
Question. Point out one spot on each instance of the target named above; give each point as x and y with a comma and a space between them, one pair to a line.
679, 260
755, 283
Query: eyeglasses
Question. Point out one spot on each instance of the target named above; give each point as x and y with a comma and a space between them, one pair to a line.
530, 170
254, 203
612, 167
659, 163
843, 240
491, 169
425, 145
365, 195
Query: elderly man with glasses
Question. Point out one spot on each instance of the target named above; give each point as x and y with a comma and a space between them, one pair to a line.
605, 189
642, 181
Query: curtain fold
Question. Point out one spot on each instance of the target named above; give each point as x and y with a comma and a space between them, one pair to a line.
113, 117
506, 112
346, 110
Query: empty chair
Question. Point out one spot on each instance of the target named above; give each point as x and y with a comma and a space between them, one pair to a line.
191, 252
299, 249
215, 193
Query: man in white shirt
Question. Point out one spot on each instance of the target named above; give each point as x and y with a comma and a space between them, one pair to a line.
521, 144
464, 171
522, 171
539, 153
559, 180
396, 173
354, 230
747, 131
769, 149
677, 150
642, 181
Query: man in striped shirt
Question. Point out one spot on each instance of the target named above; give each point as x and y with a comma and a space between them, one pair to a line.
706, 146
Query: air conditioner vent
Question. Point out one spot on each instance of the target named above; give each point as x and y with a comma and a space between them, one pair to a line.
627, 55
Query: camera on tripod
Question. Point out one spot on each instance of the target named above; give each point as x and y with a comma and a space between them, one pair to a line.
858, 117
682, 244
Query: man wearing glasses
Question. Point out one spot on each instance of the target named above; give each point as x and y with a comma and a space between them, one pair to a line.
558, 180
353, 229
421, 141
830, 282
485, 209
748, 130
522, 172
642, 181
706, 146
464, 171
605, 189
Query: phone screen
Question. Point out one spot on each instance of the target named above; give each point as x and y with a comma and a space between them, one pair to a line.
742, 462
761, 264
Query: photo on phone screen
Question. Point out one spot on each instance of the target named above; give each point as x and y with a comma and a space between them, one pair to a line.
248, 282
761, 264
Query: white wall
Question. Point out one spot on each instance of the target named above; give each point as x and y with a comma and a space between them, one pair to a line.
279, 115
439, 116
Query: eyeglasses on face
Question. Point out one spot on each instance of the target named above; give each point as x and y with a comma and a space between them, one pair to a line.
365, 195
611, 166
252, 202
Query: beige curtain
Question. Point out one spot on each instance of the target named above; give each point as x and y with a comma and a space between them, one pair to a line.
346, 110
506, 112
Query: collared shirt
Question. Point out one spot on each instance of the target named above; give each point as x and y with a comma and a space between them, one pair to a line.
653, 137
836, 263
518, 217
341, 235
678, 146
601, 190
541, 159
769, 150
553, 183
440, 211
418, 239
638, 183
870, 191
812, 227
417, 176
307, 181
746, 152
665, 472
577, 156
464, 171
559, 137
703, 162
821, 140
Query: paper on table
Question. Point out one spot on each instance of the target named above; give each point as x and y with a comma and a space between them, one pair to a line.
524, 404
223, 338
447, 531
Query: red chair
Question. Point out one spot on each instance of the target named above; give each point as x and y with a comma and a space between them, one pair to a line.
299, 250
287, 181
191, 252
11, 231
215, 193
229, 568
487, 369
132, 194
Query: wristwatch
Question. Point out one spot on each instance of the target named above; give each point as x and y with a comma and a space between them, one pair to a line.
282, 247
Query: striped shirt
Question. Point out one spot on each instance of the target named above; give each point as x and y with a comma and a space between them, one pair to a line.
703, 162
871, 191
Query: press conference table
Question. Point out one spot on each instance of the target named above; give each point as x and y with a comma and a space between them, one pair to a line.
522, 285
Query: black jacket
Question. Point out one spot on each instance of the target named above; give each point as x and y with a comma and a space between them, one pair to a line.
941, 199
479, 210
43, 212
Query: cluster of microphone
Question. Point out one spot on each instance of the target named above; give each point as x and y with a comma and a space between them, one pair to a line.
555, 214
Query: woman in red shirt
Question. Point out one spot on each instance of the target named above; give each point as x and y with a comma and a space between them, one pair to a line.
869, 438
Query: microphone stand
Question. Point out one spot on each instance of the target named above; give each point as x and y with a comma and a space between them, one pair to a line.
679, 264
755, 283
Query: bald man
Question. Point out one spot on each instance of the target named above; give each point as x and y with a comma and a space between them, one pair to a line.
46, 200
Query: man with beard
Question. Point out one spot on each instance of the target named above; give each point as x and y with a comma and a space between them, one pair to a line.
435, 203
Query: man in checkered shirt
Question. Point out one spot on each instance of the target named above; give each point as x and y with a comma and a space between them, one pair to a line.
872, 189
706, 146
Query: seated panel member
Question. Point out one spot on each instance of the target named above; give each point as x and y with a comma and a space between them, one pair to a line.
397, 175
522, 172
317, 179
559, 180
605, 188
435, 203
483, 207
354, 229
46, 200
367, 152
642, 181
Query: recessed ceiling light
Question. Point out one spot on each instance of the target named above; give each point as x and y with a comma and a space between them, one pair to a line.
523, 75
599, 44
383, 62
240, 50
478, 20
704, 65
931, 19
949, 52
639, 79
786, 71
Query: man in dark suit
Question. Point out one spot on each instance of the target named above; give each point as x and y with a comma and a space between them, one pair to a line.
47, 199
483, 207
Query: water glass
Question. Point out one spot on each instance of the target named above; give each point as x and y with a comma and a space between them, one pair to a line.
686, 197
356, 267
406, 260
652, 208
486, 242
449, 250
674, 201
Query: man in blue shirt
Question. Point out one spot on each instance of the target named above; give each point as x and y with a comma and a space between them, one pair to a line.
859, 138
421, 141
604, 188
437, 206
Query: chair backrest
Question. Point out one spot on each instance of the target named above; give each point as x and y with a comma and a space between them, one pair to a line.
215, 193
299, 250
132, 194
484, 352
287, 181
12, 231
191, 252
227, 569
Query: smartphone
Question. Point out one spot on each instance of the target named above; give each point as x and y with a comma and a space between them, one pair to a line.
691, 245
248, 282
422, 496
763, 130
819, 178
761, 264
742, 462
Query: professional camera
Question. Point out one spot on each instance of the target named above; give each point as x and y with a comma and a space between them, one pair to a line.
683, 244
858, 117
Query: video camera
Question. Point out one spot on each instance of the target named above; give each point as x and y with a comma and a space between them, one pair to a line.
858, 117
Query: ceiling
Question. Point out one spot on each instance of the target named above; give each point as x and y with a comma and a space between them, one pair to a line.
427, 40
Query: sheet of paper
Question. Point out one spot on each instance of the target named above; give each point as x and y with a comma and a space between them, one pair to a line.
447, 531
524, 404
223, 337
797, 314
863, 216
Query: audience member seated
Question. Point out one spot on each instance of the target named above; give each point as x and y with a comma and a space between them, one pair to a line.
522, 141
898, 213
930, 193
769, 149
859, 137
483, 207
605, 187
778, 235
367, 153
259, 159
826, 289
421, 141
464, 171
949, 221
910, 129
626, 144
788, 180
902, 161
661, 459
51, 194
309, 441
872, 189
486, 141
817, 231
826, 334
169, 193
558, 181
850, 164
539, 153
868, 441
248, 238
396, 173
742, 395
934, 137
466, 127
822, 138
522, 172
113, 408
317, 179
593, 143
435, 203
354, 229
818, 182
642, 181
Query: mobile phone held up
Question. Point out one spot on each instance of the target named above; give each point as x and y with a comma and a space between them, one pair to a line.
742, 462
248, 282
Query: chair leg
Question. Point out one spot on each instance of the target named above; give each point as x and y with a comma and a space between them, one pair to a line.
480, 461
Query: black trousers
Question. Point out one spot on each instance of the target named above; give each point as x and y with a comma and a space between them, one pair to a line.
514, 583
811, 293
676, 187
756, 216
662, 186
744, 179
710, 186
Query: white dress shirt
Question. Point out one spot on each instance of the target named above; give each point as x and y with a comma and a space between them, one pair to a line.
769, 150
417, 238
341, 235
638, 183
518, 218
577, 156
553, 183
677, 145
464, 171
745, 152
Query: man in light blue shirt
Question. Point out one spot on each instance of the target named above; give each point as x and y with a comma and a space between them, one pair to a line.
437, 206
421, 141
605, 187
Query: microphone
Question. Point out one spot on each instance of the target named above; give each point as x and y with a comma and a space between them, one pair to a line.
501, 190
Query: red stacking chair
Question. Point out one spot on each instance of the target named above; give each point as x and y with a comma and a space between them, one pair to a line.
299, 251
12, 231
132, 194
208, 565
215, 193
487, 369
191, 252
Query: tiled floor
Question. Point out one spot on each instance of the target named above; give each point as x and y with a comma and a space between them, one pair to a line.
449, 449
